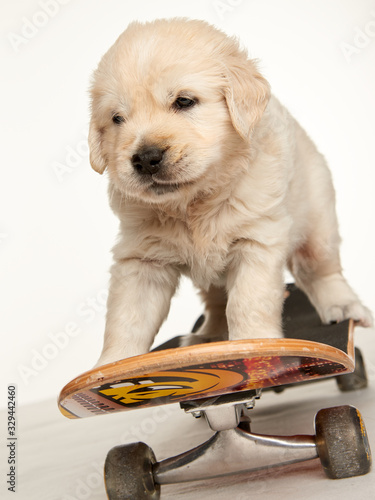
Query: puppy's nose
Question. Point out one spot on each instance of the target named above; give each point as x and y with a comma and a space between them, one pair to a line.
148, 160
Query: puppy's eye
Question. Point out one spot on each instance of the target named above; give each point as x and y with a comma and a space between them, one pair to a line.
118, 119
183, 103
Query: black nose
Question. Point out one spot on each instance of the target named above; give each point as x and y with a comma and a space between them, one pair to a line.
148, 160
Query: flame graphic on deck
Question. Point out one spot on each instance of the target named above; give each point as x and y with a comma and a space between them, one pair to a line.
171, 385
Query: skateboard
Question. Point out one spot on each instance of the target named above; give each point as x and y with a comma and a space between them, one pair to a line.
222, 381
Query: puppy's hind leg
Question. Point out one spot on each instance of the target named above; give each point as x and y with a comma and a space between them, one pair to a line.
215, 327
317, 270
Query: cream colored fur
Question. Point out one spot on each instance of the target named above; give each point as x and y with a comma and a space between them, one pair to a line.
243, 192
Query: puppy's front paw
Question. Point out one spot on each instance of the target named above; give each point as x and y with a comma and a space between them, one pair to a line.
113, 355
257, 333
105, 360
353, 310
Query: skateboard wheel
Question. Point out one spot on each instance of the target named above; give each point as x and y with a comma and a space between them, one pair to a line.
342, 442
128, 473
355, 380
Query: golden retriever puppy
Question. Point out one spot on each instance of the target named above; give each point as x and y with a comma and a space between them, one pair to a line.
212, 178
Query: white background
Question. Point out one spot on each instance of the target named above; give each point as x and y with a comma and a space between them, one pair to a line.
56, 233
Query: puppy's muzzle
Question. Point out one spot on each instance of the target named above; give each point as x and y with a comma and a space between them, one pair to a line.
147, 161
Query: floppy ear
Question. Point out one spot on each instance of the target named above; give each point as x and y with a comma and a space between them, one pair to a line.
247, 94
97, 159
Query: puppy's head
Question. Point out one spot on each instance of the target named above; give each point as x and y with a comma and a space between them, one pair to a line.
170, 101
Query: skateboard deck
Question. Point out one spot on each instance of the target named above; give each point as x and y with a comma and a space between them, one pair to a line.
171, 374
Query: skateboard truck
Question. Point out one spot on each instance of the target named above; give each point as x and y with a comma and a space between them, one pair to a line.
233, 448
340, 442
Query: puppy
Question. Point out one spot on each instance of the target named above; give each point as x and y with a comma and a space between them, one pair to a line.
212, 178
